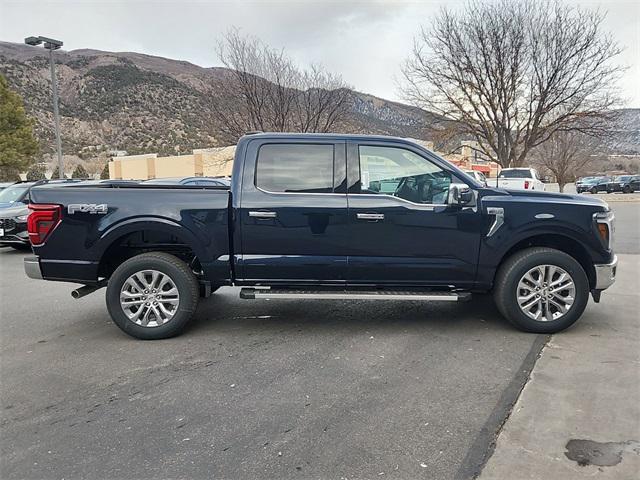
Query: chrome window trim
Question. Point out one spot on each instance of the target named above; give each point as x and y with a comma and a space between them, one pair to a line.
298, 193
376, 195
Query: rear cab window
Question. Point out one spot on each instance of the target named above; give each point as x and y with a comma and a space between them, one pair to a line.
295, 168
516, 173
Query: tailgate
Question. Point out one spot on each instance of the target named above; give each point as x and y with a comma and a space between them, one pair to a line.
511, 183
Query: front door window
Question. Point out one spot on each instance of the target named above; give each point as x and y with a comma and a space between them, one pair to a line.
403, 174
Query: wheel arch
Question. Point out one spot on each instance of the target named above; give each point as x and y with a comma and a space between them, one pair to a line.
146, 234
558, 241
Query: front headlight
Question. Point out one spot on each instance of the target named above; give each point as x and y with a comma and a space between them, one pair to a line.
22, 218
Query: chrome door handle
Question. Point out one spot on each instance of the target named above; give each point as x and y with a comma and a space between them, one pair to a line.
370, 216
260, 214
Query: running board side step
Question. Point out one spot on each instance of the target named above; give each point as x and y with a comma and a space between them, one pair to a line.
273, 293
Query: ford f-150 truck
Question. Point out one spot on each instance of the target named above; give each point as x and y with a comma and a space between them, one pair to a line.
324, 216
520, 179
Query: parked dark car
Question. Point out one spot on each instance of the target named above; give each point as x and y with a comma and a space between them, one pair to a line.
193, 181
15, 193
324, 216
593, 185
14, 211
13, 227
624, 184
581, 181
18, 192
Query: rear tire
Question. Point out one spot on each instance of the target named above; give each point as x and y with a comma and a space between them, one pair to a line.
21, 247
178, 299
508, 287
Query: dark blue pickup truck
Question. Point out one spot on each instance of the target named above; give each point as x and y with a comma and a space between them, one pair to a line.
324, 217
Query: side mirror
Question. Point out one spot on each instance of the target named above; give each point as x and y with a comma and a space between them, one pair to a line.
462, 195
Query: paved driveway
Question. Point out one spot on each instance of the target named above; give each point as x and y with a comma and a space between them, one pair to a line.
263, 389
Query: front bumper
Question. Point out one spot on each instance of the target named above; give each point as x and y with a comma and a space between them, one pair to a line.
14, 232
32, 267
606, 274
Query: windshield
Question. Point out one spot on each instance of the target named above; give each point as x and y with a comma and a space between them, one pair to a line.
516, 173
13, 193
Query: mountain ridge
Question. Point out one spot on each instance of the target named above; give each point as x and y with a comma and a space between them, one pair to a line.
139, 102
146, 103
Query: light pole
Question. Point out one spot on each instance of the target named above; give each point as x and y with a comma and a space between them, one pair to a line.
51, 45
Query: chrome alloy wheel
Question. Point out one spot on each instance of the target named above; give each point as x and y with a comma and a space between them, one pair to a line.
149, 298
546, 293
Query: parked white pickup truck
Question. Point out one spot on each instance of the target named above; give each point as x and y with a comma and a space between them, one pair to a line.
520, 179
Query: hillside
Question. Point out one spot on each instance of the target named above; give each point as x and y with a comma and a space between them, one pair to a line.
141, 103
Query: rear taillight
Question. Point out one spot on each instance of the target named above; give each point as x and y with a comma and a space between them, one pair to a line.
41, 222
526, 184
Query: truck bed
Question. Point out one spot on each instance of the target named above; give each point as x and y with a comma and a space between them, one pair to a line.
179, 216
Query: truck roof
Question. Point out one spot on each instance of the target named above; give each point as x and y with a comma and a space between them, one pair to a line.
329, 136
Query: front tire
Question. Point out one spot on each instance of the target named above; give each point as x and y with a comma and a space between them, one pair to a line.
594, 190
541, 290
152, 296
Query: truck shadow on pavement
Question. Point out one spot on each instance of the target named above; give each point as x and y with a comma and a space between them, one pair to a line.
224, 311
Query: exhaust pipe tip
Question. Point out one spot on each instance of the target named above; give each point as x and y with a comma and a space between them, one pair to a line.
87, 289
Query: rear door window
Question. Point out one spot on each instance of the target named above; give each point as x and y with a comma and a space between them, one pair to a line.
295, 168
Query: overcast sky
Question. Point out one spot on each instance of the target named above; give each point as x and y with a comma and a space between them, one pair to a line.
363, 41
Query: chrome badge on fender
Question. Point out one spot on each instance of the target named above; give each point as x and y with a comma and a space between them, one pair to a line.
92, 208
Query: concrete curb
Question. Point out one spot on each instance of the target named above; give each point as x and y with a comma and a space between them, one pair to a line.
578, 416
478, 453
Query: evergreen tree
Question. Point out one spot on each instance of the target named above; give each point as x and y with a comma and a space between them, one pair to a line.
36, 172
56, 174
80, 172
17, 143
104, 175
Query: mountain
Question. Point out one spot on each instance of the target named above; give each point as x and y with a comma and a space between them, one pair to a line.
626, 137
141, 103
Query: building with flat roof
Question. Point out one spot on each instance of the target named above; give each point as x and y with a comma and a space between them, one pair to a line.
204, 162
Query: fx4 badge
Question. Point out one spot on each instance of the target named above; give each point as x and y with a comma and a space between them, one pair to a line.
92, 208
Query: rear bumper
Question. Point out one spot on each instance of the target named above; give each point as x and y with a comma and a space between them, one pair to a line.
32, 267
74, 271
606, 274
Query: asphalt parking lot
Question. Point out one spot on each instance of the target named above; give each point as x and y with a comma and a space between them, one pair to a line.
259, 389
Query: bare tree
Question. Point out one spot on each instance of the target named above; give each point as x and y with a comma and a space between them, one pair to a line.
513, 73
566, 155
265, 90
